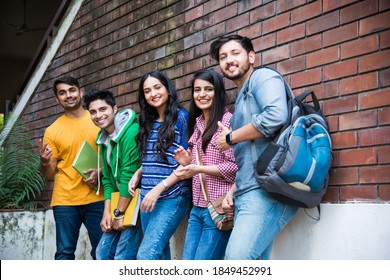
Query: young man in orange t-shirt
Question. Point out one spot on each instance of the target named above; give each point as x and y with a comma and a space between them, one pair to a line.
74, 199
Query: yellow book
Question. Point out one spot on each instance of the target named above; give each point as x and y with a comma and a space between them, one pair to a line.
86, 158
132, 210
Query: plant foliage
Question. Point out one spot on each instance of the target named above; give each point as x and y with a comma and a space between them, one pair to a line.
1, 121
20, 179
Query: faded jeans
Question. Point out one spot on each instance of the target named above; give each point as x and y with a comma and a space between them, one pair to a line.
120, 245
159, 225
258, 220
203, 240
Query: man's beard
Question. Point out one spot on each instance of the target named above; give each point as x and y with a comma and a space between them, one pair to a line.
73, 107
241, 73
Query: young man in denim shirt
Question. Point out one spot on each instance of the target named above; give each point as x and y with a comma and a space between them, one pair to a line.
258, 217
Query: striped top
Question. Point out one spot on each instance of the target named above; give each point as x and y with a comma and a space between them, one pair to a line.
155, 168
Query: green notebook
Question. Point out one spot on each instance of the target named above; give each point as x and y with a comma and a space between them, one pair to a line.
86, 158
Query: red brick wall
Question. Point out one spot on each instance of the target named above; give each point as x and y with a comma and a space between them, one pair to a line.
340, 49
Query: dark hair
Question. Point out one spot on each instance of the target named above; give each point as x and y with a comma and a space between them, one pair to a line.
245, 42
218, 106
66, 80
97, 94
149, 114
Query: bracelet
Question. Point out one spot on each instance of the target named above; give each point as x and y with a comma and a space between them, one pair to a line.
45, 164
165, 184
119, 218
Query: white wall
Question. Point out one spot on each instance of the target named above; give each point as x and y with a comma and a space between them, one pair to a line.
359, 231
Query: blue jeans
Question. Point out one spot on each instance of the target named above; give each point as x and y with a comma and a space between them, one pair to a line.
203, 240
258, 220
120, 245
68, 221
159, 225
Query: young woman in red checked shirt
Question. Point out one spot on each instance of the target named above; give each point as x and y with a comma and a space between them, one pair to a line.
208, 105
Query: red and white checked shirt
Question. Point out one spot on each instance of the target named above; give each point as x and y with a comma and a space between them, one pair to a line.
224, 161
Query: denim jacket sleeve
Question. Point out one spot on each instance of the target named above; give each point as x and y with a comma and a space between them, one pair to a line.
267, 88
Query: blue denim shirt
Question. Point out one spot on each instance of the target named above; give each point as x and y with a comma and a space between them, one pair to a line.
268, 113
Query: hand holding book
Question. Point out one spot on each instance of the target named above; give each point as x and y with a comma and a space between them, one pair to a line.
93, 177
132, 210
88, 163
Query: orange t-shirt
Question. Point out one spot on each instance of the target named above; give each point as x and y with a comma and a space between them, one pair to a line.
65, 137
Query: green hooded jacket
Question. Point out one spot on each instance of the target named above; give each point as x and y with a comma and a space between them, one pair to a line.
124, 157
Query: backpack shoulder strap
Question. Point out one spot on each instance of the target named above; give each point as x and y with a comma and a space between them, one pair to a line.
289, 93
270, 150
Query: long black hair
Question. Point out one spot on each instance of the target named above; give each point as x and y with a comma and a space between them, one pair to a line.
149, 114
218, 107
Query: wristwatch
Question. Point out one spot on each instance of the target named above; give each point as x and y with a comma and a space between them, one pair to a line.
229, 138
118, 213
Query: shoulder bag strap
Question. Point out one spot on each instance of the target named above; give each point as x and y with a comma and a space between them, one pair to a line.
202, 178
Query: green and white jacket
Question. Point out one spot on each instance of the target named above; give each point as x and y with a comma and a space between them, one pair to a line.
119, 153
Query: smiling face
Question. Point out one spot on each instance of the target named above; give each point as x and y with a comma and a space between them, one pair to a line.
234, 60
68, 96
103, 115
156, 94
203, 95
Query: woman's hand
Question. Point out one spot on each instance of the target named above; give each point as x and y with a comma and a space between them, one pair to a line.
151, 198
134, 181
186, 172
182, 156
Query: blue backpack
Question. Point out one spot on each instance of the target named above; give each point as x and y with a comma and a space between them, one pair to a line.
294, 168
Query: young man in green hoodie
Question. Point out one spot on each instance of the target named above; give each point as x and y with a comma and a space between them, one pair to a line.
120, 156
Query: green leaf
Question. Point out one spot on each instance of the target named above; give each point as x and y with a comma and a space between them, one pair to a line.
20, 179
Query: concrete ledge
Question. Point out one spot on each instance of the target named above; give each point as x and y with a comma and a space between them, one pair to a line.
358, 231
22, 235
29, 235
